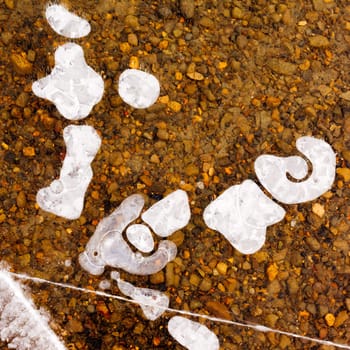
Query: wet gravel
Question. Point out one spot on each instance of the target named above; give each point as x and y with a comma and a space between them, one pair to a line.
238, 79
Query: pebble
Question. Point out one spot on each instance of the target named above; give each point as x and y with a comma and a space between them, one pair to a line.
330, 319
206, 22
187, 8
319, 41
20, 64
318, 209
313, 243
175, 106
29, 151
222, 268
21, 199
282, 67
218, 309
344, 173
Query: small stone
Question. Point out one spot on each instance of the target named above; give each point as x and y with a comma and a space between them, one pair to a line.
237, 13
75, 326
347, 303
318, 209
22, 99
330, 319
195, 75
175, 106
10, 4
345, 95
341, 318
157, 278
218, 309
132, 21
132, 39
21, 199
206, 22
20, 63
187, 8
272, 271
134, 62
344, 173
313, 243
282, 67
222, 268
29, 151
319, 41
191, 170
205, 284
124, 47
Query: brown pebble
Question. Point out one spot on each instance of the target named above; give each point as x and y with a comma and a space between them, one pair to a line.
21, 199
29, 151
157, 278
319, 41
187, 8
191, 170
20, 64
330, 319
218, 309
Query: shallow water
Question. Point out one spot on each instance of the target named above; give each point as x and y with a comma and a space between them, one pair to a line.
238, 80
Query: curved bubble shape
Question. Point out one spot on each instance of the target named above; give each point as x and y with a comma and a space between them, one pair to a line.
152, 302
66, 23
192, 335
272, 172
72, 86
65, 196
108, 247
138, 89
170, 214
242, 214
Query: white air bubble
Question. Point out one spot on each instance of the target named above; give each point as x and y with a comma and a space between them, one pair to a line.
242, 214
66, 23
272, 172
138, 89
72, 86
65, 196
192, 335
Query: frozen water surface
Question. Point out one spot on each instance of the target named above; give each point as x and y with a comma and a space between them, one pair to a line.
152, 302
72, 86
65, 196
138, 89
170, 214
22, 326
192, 335
108, 247
272, 172
66, 23
242, 214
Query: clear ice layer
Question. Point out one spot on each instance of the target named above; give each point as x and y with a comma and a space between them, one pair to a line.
65, 196
138, 89
66, 23
22, 326
170, 214
72, 86
152, 302
272, 172
192, 335
242, 214
108, 247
